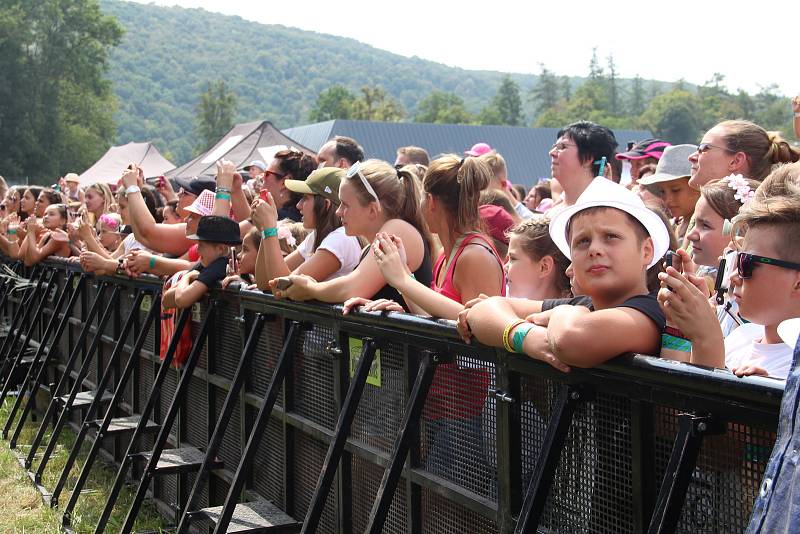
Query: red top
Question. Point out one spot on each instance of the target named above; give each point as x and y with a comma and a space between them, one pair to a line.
459, 392
194, 253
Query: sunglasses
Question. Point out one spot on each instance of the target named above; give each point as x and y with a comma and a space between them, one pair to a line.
745, 263
277, 175
355, 169
702, 148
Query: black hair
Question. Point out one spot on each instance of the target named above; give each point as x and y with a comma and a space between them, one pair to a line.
348, 149
296, 165
593, 142
53, 197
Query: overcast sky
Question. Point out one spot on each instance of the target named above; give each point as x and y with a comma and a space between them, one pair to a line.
751, 43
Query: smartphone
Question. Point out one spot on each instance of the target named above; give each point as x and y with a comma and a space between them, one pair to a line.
162, 181
727, 265
263, 195
283, 283
151, 181
234, 263
673, 259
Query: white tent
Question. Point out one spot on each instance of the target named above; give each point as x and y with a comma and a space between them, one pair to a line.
110, 167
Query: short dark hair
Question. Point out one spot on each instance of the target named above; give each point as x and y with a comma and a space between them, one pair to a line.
348, 149
593, 142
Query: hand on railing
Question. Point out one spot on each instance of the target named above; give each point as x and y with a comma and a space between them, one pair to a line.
137, 262
93, 262
302, 288
367, 305
461, 323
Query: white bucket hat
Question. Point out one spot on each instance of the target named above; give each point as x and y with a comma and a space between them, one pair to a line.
673, 165
605, 193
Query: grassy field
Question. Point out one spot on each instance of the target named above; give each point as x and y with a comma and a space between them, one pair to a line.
21, 506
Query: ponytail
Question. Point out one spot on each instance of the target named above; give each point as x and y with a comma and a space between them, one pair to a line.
457, 183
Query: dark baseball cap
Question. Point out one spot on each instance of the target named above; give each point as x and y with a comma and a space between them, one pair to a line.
649, 148
196, 185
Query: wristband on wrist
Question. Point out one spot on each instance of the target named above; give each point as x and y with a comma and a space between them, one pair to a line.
223, 196
223, 190
509, 327
152, 262
518, 338
269, 232
675, 343
12, 232
132, 189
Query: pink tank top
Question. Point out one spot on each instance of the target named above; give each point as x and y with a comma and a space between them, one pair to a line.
447, 288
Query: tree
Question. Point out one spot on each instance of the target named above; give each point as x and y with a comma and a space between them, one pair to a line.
443, 108
56, 106
613, 89
375, 104
547, 91
336, 102
637, 97
674, 116
215, 113
506, 106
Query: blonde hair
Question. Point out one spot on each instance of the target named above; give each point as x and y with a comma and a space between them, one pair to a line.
415, 154
496, 163
762, 148
102, 189
777, 204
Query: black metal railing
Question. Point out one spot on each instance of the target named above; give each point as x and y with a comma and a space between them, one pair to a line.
376, 423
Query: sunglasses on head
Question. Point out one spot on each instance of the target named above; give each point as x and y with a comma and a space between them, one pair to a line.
355, 169
745, 263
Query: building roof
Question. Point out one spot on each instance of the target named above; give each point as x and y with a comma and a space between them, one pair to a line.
524, 149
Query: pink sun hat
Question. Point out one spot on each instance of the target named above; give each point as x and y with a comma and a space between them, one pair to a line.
478, 149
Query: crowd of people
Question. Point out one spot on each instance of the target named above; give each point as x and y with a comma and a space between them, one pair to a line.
691, 255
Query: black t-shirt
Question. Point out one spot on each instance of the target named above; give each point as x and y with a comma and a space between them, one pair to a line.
647, 304
213, 273
289, 211
423, 275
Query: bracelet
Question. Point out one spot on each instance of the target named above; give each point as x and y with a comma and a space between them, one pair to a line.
675, 343
152, 262
509, 327
518, 338
269, 232
674, 332
223, 190
132, 189
12, 232
223, 196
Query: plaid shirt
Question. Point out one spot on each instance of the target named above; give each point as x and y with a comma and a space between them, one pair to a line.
777, 508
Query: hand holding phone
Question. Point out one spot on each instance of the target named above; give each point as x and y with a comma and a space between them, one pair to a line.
264, 195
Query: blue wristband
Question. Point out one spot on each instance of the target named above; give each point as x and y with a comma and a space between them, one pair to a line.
671, 342
269, 232
518, 338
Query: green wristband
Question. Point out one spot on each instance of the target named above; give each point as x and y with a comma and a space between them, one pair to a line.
152, 262
223, 196
269, 232
12, 232
675, 343
518, 338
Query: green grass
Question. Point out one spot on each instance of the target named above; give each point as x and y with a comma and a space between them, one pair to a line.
21, 507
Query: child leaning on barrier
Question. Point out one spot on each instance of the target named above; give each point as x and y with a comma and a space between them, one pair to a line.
612, 239
765, 285
215, 235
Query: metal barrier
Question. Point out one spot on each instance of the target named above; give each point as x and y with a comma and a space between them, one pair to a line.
374, 423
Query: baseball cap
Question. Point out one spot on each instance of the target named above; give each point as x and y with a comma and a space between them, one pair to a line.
324, 182
605, 193
478, 149
217, 229
197, 185
649, 148
255, 163
498, 221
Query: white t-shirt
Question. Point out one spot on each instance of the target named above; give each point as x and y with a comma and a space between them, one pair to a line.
346, 248
743, 346
130, 243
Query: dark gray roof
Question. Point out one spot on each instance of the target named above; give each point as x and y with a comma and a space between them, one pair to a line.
524, 149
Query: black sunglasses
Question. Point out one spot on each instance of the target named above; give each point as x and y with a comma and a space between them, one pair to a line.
745, 263
705, 147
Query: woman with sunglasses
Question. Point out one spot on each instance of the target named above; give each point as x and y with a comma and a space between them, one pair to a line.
765, 285
738, 147
375, 197
290, 164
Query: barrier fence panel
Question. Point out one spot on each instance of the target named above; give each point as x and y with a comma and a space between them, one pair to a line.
438, 436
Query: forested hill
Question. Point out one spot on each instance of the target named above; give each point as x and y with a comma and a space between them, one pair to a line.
169, 54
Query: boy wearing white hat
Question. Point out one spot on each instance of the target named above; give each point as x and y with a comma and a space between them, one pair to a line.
612, 239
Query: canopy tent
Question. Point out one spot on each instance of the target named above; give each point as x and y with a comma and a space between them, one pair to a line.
241, 145
109, 168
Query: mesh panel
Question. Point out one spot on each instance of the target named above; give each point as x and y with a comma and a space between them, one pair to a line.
381, 407
219, 491
366, 479
265, 358
268, 465
195, 414
230, 449
441, 516
309, 455
457, 426
727, 476
194, 325
167, 392
228, 342
313, 378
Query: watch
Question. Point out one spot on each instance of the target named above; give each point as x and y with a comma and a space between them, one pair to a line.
132, 189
